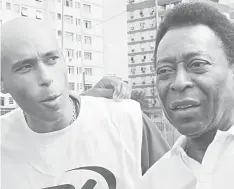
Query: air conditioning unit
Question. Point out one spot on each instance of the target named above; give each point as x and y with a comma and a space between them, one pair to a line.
142, 38
132, 17
143, 82
132, 59
152, 36
151, 25
69, 59
132, 39
152, 12
152, 59
132, 28
133, 50
133, 83
131, 1
142, 49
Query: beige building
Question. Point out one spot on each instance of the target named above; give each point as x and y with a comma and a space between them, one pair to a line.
77, 24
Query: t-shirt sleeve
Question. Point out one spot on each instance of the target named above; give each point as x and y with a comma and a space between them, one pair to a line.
154, 146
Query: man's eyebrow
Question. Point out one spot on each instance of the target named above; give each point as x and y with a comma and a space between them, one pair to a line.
24, 61
185, 56
50, 53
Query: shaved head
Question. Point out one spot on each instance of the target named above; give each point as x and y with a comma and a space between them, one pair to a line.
23, 30
33, 67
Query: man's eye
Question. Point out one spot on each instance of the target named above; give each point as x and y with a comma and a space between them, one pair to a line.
198, 64
164, 70
52, 60
24, 68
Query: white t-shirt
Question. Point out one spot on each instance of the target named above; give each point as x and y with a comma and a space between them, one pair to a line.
101, 149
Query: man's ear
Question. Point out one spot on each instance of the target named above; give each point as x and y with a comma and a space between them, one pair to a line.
3, 88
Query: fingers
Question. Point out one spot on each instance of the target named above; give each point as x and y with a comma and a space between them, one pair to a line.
99, 92
124, 92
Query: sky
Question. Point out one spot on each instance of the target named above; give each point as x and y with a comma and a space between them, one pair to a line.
115, 38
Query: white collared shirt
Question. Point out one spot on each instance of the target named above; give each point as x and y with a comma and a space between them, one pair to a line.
178, 171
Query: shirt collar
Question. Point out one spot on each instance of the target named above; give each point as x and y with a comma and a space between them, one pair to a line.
181, 142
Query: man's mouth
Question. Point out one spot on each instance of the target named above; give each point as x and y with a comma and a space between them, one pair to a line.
50, 98
184, 104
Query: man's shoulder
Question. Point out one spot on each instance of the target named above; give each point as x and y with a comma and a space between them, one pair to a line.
125, 105
9, 120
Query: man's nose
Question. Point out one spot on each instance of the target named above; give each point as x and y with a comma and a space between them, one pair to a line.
182, 80
44, 75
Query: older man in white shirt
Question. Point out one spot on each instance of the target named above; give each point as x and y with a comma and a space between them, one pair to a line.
195, 71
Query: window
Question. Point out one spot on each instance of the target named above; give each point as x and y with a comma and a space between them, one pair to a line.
11, 101
68, 3
88, 86
152, 11
16, 8
89, 71
71, 69
78, 38
69, 53
2, 101
133, 70
8, 6
78, 70
77, 5
87, 24
132, 59
59, 16
78, 54
59, 32
87, 8
132, 27
81, 86
144, 58
69, 36
142, 25
71, 86
68, 19
88, 40
87, 56
38, 15
143, 69
77, 21
52, 15
131, 15
141, 13
24, 11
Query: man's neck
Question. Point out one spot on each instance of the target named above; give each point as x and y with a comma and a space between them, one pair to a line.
39, 126
196, 147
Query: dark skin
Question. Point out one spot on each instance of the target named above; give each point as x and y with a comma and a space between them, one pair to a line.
195, 85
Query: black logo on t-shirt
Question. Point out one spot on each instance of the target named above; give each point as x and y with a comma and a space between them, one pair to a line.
90, 184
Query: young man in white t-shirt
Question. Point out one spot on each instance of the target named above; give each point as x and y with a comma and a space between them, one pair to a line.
55, 139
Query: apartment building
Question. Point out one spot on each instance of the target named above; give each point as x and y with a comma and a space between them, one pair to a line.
77, 25
142, 27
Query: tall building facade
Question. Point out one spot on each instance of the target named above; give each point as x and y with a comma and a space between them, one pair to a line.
143, 18
142, 27
79, 30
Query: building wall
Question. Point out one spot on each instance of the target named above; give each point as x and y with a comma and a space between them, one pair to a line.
82, 36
